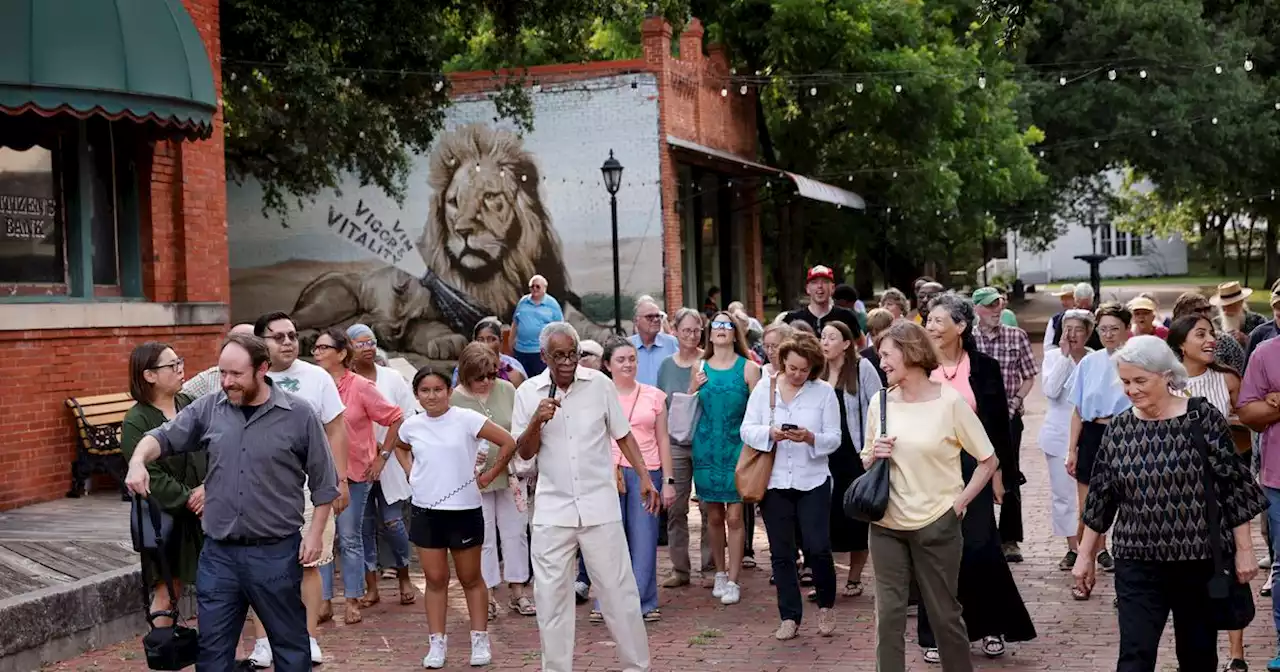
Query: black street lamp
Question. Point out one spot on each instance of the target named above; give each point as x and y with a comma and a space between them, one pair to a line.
612, 171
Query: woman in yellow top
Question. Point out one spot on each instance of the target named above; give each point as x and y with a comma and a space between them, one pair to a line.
929, 424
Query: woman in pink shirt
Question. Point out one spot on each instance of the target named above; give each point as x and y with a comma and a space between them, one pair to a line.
646, 408
365, 405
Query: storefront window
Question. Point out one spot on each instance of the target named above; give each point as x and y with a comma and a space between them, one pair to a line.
31, 242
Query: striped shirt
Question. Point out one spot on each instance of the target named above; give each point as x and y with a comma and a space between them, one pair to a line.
1212, 385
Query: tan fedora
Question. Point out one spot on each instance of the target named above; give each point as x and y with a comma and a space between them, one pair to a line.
1229, 293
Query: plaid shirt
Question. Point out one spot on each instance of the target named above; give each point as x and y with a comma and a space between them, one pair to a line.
1012, 349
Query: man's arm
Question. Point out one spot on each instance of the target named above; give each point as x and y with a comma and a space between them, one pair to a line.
1254, 411
179, 435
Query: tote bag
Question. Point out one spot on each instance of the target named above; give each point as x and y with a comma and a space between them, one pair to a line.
755, 467
868, 497
682, 417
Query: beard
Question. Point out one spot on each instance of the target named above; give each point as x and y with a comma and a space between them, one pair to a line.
1231, 323
246, 393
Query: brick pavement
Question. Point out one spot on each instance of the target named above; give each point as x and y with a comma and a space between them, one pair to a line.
697, 633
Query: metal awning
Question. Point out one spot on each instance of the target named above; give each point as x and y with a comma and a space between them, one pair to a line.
805, 186
137, 59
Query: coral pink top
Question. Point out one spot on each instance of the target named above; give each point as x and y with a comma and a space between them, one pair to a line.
958, 379
649, 402
365, 406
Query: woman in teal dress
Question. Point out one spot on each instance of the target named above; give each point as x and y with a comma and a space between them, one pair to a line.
155, 378
723, 383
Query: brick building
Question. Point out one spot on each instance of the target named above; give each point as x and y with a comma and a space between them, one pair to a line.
113, 196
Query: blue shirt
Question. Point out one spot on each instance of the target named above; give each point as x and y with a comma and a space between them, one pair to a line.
530, 318
649, 359
1096, 391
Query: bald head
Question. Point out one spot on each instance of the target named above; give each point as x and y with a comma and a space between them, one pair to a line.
242, 328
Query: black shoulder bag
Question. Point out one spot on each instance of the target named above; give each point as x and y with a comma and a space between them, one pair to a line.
176, 646
1230, 602
868, 496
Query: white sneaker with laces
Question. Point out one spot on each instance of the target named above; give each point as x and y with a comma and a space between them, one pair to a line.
481, 652
435, 657
732, 593
722, 579
316, 657
261, 656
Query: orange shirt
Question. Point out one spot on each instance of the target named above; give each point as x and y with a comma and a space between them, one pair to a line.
365, 406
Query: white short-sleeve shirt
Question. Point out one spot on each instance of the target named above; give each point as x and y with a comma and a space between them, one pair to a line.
393, 386
446, 450
577, 484
313, 384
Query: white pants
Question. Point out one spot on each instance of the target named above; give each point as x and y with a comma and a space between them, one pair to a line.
500, 514
604, 550
1062, 497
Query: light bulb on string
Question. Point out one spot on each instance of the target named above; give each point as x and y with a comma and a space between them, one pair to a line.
724, 92
857, 88
897, 88
1062, 81
1096, 145
439, 84
895, 174
743, 89
813, 90
1111, 75
982, 79
1042, 153
1215, 121
1217, 69
1154, 132
1248, 62
1142, 73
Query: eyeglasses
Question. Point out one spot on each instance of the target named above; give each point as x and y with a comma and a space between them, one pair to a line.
652, 318
176, 365
321, 348
721, 325
492, 375
1107, 331
690, 332
566, 357
284, 337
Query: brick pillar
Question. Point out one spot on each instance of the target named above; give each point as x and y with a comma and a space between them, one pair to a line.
204, 189
656, 37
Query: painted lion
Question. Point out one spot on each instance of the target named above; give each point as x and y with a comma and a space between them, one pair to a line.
487, 233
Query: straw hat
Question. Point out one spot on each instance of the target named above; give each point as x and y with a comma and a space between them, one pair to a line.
1229, 293
1142, 303
1067, 290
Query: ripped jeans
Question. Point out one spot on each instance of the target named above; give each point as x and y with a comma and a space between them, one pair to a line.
389, 519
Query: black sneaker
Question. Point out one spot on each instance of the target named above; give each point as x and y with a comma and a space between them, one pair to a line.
1106, 562
1237, 665
1068, 562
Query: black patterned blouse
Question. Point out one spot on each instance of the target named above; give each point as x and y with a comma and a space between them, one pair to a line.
1147, 480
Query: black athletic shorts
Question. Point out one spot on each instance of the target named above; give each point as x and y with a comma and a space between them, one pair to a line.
442, 528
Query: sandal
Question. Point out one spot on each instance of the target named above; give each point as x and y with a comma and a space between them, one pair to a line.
493, 609
1079, 594
748, 562
652, 616
806, 577
993, 647
813, 595
852, 588
595, 617
931, 656
524, 606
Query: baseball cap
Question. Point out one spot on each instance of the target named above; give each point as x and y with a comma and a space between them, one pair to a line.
1142, 303
985, 296
820, 272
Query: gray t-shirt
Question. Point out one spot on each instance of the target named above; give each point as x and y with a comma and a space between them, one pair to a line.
673, 378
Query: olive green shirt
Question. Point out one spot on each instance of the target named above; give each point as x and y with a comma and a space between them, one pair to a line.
497, 408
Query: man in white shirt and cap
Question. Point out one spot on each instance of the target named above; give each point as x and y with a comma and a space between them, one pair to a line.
567, 418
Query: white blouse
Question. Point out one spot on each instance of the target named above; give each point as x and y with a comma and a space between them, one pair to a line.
1055, 382
797, 466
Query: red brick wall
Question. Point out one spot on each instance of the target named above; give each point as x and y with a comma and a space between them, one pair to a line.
184, 249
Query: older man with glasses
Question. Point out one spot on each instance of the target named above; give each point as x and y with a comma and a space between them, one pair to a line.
652, 346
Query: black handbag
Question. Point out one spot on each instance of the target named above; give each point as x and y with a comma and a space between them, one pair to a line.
868, 496
1230, 602
176, 646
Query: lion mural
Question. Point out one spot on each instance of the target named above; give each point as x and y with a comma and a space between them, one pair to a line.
486, 234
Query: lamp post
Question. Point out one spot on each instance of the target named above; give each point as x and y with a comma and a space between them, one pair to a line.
612, 171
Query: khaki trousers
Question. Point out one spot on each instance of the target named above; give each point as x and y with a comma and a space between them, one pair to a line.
604, 550
930, 555
678, 515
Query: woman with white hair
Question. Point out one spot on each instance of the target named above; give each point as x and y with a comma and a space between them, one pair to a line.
1055, 433
1149, 479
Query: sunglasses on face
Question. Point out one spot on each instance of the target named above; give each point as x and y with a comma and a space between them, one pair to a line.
652, 318
364, 345
721, 325
492, 375
284, 337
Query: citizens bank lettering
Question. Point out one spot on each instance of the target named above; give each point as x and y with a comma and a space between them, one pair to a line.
26, 217
389, 243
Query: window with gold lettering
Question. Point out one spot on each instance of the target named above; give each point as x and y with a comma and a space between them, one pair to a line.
32, 246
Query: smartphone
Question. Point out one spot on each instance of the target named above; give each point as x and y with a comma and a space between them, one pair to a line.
789, 428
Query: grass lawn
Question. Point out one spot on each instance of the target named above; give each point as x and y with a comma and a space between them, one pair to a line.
1203, 276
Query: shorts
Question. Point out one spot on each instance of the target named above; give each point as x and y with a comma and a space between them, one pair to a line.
444, 528
330, 530
1087, 447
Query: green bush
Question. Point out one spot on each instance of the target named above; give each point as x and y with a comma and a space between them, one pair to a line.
598, 307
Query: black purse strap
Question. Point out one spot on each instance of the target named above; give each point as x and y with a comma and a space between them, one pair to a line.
161, 560
1212, 513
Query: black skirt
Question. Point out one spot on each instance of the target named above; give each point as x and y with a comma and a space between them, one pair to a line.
847, 534
1087, 446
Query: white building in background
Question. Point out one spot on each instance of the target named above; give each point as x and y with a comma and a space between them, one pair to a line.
1131, 254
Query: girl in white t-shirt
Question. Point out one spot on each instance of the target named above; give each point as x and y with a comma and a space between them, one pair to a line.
443, 450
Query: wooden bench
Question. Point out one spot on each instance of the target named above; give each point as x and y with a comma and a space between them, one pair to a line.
98, 424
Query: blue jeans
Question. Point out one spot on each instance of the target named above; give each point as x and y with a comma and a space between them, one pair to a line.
642, 538
1273, 519
389, 516
232, 578
351, 541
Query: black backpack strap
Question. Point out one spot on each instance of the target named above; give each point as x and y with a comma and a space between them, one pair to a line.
161, 561
1212, 514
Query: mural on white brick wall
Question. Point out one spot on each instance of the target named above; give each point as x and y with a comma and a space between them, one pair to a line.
485, 210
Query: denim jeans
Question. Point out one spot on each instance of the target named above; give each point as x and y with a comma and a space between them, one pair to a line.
1273, 518
642, 537
389, 519
351, 540
232, 578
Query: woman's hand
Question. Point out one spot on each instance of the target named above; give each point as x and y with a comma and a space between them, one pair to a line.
1086, 574
779, 435
882, 449
668, 496
997, 487
1246, 567
960, 508
1071, 462
801, 436
698, 379
195, 500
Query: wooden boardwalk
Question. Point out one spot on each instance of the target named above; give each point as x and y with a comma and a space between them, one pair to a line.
61, 542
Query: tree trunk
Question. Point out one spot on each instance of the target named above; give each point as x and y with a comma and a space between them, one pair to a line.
1234, 222
1221, 233
1269, 245
1248, 251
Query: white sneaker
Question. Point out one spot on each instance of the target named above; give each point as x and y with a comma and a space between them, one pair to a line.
481, 654
261, 656
316, 657
722, 579
580, 591
435, 657
732, 593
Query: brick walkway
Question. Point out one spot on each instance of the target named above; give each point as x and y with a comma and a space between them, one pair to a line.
698, 633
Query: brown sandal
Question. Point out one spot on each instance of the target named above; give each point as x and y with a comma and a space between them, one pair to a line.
1080, 594
409, 597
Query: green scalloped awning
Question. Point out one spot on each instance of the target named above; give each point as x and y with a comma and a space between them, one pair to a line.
121, 59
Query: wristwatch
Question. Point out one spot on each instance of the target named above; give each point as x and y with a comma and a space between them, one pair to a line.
384, 454
671, 480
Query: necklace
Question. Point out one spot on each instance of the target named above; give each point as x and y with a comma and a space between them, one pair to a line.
955, 372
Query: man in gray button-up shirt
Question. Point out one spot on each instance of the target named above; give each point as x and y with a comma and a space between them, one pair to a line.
263, 445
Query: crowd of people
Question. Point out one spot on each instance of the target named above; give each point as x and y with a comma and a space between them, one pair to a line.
563, 469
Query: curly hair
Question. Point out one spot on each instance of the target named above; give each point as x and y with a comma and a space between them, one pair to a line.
806, 346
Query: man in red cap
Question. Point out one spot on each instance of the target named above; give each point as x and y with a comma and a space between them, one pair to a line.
819, 285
